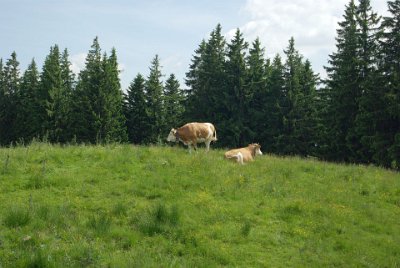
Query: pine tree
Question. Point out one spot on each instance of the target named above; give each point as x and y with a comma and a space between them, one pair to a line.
2, 103
112, 128
173, 104
236, 96
207, 81
86, 105
68, 86
194, 82
257, 90
388, 144
307, 124
135, 110
342, 89
154, 100
291, 138
28, 121
371, 103
51, 96
276, 101
9, 100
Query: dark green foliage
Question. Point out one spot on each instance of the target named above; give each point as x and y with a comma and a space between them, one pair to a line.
97, 100
206, 79
371, 102
273, 103
9, 102
387, 141
54, 96
28, 121
236, 97
249, 99
112, 120
298, 105
358, 125
154, 103
343, 90
173, 104
85, 105
135, 110
257, 95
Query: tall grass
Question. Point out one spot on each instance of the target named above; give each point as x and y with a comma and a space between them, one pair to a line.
16, 217
159, 206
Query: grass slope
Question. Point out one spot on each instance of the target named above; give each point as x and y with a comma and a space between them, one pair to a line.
126, 206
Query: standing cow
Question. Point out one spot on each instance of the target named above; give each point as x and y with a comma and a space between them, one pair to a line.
244, 154
193, 133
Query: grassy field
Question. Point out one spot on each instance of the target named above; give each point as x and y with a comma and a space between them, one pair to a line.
126, 206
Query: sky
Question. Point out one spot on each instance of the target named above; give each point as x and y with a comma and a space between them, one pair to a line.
171, 29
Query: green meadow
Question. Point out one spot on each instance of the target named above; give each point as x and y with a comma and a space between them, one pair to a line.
137, 206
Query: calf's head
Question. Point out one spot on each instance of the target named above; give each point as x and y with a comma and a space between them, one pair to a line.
172, 135
256, 148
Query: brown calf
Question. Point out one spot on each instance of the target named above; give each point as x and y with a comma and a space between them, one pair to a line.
244, 154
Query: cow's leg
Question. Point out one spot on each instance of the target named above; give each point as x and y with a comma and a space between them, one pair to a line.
190, 148
240, 158
195, 146
207, 142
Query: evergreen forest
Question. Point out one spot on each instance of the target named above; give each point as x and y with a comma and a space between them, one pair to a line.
353, 115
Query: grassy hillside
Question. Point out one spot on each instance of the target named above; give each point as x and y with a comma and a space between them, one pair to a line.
125, 206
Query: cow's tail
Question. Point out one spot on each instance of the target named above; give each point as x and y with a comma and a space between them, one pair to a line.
215, 135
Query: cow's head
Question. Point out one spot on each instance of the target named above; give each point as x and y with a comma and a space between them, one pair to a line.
257, 148
172, 135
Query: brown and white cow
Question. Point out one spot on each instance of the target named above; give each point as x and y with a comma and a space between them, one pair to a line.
193, 133
244, 154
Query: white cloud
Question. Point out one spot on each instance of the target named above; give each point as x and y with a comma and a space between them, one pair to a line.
78, 62
174, 64
312, 23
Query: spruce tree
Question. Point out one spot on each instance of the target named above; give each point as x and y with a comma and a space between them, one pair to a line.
256, 92
173, 103
56, 88
28, 121
135, 110
307, 124
387, 150
195, 83
371, 102
9, 100
68, 86
2, 102
154, 101
206, 79
234, 123
86, 105
342, 89
275, 104
293, 140
112, 128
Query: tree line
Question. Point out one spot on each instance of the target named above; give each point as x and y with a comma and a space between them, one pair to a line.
351, 116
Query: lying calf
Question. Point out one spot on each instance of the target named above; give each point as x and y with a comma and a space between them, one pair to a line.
244, 154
